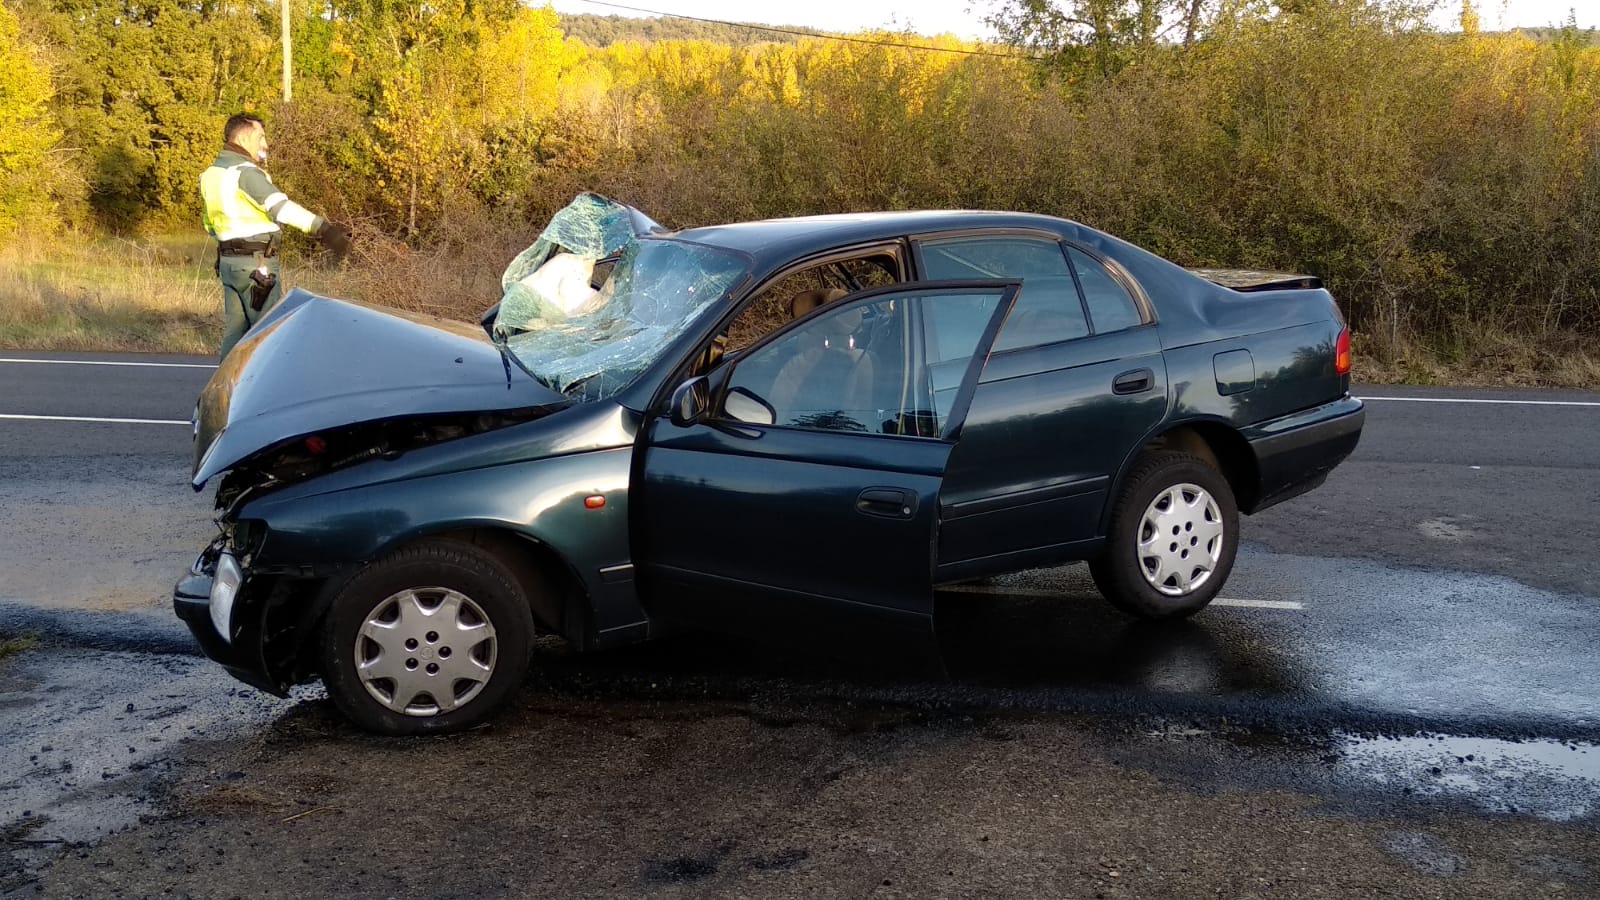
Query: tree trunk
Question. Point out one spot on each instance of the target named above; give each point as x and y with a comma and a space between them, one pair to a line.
1191, 22
411, 208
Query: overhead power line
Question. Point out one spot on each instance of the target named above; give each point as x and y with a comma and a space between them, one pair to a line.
774, 29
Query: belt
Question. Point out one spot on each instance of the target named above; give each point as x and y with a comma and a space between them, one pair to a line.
267, 247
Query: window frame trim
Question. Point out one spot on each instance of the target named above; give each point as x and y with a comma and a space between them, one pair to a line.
895, 247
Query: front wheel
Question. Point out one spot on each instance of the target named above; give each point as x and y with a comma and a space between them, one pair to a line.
432, 638
1172, 540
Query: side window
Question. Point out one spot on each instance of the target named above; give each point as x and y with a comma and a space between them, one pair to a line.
1111, 307
797, 293
1047, 310
888, 366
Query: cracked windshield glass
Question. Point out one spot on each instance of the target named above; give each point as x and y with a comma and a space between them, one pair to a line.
591, 305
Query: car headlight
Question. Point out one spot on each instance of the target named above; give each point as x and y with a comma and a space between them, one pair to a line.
224, 588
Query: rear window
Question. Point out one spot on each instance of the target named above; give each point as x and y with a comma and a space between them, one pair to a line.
1111, 307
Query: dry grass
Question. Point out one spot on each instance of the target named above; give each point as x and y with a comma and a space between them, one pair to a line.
457, 281
1480, 356
11, 646
159, 295
155, 295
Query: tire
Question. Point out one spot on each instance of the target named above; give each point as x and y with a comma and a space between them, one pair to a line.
1176, 578
387, 661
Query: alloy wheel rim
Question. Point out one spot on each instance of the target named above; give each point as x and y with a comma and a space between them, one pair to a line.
425, 651
1180, 539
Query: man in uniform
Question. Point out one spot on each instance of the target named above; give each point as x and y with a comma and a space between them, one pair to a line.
244, 212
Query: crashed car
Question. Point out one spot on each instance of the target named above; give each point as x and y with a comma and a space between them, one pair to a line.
763, 427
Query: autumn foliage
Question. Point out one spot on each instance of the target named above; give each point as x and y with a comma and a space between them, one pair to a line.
1445, 185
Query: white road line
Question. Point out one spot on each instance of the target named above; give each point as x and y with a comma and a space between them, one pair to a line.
103, 362
1038, 592
1481, 400
1260, 604
110, 421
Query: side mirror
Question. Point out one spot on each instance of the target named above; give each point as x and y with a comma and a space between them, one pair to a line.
744, 406
691, 401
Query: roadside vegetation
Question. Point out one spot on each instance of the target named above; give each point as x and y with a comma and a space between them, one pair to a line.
11, 646
1445, 185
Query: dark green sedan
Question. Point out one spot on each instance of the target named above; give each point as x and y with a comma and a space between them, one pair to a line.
760, 427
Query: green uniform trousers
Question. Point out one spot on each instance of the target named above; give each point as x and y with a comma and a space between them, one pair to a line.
237, 314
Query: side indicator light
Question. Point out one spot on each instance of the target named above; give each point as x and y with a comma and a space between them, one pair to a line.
598, 501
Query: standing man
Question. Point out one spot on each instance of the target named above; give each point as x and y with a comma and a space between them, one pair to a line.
243, 211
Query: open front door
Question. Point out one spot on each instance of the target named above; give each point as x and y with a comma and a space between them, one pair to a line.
806, 487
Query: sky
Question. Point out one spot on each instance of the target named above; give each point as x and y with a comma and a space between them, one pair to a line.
964, 17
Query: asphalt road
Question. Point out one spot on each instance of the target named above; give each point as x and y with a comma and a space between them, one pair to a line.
1439, 584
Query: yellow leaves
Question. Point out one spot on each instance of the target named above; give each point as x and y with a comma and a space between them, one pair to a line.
27, 131
770, 75
519, 66
691, 68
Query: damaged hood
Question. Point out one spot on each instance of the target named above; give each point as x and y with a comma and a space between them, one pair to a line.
314, 364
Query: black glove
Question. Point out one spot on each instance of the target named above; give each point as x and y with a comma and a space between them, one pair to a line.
336, 238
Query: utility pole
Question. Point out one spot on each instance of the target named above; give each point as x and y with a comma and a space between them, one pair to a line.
288, 94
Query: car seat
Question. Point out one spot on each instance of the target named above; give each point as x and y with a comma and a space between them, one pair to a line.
831, 375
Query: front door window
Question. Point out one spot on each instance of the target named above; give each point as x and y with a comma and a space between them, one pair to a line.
889, 366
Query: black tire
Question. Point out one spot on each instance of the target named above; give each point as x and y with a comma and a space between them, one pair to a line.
426, 567
1120, 572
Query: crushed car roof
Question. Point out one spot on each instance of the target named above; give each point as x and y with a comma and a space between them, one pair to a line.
788, 236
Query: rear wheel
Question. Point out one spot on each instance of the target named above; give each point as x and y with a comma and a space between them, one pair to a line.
431, 638
1174, 533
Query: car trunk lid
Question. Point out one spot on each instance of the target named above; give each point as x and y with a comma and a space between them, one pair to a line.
1253, 280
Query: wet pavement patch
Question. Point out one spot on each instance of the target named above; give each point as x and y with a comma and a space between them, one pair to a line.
91, 740
148, 631
1554, 780
776, 799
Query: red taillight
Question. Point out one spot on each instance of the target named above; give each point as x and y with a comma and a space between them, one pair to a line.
1341, 353
315, 445
596, 501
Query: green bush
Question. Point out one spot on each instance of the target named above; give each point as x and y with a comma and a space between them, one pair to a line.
1446, 186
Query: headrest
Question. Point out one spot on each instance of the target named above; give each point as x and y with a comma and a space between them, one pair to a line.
806, 301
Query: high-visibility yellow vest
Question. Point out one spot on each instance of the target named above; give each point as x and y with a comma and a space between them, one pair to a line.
231, 213
240, 201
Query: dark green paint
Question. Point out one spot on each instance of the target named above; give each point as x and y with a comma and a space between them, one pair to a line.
762, 528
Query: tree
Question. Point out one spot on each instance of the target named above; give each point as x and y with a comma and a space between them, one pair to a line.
27, 132
417, 135
142, 89
1099, 35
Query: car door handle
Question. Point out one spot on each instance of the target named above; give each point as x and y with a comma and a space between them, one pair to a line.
1133, 382
887, 503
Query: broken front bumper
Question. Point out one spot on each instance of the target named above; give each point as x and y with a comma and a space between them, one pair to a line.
223, 613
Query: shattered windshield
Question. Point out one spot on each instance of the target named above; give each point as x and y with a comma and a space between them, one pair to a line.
591, 305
